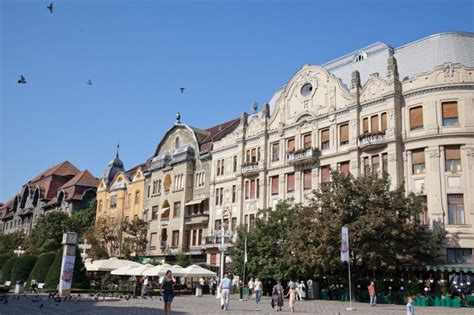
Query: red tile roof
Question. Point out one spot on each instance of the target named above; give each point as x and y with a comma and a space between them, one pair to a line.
83, 178
216, 132
62, 169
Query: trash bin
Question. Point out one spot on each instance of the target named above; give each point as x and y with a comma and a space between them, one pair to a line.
19, 287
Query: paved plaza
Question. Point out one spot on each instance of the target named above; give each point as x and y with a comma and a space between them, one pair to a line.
205, 305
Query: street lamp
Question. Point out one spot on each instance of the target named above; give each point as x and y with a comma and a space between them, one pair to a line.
19, 251
222, 233
84, 246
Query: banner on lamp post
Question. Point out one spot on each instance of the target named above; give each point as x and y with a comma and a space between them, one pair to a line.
345, 244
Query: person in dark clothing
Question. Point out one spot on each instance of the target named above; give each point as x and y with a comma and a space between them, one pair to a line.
167, 291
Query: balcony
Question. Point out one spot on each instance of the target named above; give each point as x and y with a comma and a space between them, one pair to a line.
196, 218
164, 220
302, 156
371, 141
251, 168
162, 244
214, 241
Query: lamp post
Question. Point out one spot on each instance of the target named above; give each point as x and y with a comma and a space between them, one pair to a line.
19, 251
84, 246
222, 233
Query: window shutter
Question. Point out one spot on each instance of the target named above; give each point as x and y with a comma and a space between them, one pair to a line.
325, 174
344, 132
275, 185
307, 141
291, 145
453, 153
456, 199
383, 118
450, 110
247, 190
374, 120
418, 157
252, 189
290, 182
416, 117
344, 168
365, 125
307, 179
325, 135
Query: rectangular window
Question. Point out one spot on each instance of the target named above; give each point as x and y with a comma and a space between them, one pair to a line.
113, 202
275, 151
148, 191
459, 255
385, 162
199, 237
222, 167
344, 168
375, 164
246, 222
307, 180
274, 180
217, 196
374, 122
416, 117
365, 125
129, 200
218, 167
456, 209
221, 197
176, 209
307, 141
254, 156
290, 182
325, 139
217, 225
252, 220
383, 119
325, 174
234, 193
234, 166
175, 240
194, 232
252, 189
290, 145
153, 240
418, 161
452, 159
344, 134
154, 213
366, 166
423, 216
450, 114
214, 259
247, 190
234, 224
137, 197
258, 188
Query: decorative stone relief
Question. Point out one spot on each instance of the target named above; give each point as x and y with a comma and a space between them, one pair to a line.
393, 157
448, 70
433, 154
470, 157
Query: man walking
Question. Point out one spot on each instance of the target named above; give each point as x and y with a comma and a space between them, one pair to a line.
251, 284
225, 286
258, 290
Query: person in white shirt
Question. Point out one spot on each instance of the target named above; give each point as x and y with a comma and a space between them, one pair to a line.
258, 290
225, 286
251, 284
302, 291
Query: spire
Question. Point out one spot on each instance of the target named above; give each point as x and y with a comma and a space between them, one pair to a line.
178, 118
118, 147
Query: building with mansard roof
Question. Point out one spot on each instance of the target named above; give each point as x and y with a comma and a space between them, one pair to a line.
63, 187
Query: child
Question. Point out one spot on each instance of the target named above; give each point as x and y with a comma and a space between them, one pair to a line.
410, 307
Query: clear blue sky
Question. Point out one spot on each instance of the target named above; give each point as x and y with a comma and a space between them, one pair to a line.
227, 54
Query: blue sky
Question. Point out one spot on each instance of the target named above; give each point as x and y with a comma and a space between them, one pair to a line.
138, 54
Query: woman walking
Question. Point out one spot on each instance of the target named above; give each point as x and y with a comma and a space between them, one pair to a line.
292, 294
167, 291
277, 296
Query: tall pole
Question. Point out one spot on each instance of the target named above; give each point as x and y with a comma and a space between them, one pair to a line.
350, 286
222, 251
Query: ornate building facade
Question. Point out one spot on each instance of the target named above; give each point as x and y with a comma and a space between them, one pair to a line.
63, 187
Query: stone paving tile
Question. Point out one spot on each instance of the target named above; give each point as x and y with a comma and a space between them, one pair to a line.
208, 305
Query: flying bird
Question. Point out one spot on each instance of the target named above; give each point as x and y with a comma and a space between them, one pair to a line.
22, 80
50, 7
89, 82
182, 90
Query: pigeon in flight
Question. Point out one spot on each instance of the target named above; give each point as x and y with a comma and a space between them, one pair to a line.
182, 90
22, 80
89, 82
50, 7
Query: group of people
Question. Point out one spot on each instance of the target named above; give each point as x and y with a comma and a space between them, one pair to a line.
373, 299
295, 291
141, 286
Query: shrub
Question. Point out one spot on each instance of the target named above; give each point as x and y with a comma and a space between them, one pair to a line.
79, 279
41, 268
7, 269
3, 259
22, 268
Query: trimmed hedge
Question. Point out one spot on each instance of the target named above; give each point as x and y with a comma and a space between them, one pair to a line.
7, 269
40, 270
79, 280
3, 259
22, 268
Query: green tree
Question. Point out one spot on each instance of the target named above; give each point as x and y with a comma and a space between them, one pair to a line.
7, 269
79, 280
52, 277
134, 238
22, 268
41, 268
81, 221
383, 231
182, 260
10, 242
3, 259
47, 233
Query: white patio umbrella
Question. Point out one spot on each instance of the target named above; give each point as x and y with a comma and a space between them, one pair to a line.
131, 271
157, 270
108, 264
177, 271
198, 271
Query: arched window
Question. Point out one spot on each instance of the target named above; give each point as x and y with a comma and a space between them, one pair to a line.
167, 183
360, 56
177, 143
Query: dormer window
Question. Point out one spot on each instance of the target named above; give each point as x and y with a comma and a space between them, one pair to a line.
360, 56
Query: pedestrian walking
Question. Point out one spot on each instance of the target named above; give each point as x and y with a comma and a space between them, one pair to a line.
410, 307
145, 287
301, 291
200, 287
167, 291
251, 287
225, 286
292, 303
258, 290
213, 286
373, 297
277, 296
